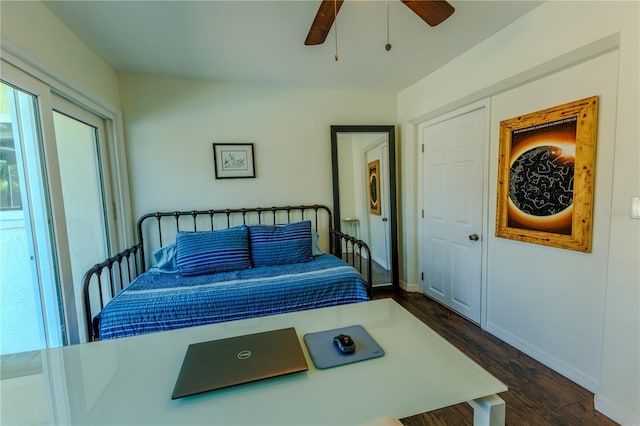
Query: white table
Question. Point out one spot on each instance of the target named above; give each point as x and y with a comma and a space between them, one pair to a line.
130, 380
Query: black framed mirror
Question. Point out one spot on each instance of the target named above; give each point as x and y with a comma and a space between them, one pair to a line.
363, 162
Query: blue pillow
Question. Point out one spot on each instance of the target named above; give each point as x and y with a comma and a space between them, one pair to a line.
208, 252
166, 258
280, 244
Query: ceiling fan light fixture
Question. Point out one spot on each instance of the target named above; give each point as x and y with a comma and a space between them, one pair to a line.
387, 46
323, 21
433, 12
335, 25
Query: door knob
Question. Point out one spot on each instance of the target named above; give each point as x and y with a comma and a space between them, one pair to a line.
474, 237
384, 219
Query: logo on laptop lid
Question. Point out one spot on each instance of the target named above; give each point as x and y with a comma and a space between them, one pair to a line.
244, 354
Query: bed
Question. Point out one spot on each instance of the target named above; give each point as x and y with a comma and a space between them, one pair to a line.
198, 267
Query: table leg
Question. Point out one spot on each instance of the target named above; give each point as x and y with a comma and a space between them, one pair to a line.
488, 411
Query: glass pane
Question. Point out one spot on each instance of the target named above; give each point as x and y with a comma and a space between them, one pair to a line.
30, 312
10, 198
78, 156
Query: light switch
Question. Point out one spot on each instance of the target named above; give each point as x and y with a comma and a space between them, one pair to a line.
634, 212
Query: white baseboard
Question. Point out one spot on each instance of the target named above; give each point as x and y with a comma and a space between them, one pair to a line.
560, 367
413, 288
616, 413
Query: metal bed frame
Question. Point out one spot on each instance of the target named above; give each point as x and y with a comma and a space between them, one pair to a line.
119, 270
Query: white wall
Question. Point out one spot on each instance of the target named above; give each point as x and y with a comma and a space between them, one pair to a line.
577, 312
550, 302
171, 123
347, 175
31, 29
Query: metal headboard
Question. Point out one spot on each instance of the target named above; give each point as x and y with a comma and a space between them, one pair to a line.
226, 218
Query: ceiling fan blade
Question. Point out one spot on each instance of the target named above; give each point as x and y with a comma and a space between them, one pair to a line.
323, 21
433, 12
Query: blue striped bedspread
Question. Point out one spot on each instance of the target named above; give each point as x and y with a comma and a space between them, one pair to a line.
158, 301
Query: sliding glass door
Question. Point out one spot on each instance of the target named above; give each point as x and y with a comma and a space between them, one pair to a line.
78, 136
55, 209
30, 305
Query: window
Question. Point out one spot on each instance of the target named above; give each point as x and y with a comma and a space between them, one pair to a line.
10, 198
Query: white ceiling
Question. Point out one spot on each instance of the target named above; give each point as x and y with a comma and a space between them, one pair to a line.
263, 41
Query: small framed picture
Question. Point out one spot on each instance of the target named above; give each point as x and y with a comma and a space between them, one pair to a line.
234, 160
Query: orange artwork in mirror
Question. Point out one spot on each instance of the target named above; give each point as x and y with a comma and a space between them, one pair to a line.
374, 187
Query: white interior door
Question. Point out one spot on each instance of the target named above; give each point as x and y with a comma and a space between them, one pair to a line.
453, 208
379, 223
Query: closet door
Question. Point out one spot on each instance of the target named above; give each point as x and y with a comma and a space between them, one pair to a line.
453, 211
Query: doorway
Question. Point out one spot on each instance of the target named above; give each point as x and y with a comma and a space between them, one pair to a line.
453, 210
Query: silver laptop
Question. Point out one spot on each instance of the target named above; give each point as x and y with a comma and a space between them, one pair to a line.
227, 362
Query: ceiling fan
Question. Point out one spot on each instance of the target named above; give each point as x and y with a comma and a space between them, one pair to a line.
433, 12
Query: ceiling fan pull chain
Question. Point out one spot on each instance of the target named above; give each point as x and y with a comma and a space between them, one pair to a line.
388, 45
335, 24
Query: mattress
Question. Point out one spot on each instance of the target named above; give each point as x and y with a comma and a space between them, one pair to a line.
158, 301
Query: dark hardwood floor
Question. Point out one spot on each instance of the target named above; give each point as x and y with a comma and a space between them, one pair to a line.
537, 395
379, 275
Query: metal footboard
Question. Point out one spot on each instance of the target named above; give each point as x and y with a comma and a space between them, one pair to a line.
355, 252
108, 278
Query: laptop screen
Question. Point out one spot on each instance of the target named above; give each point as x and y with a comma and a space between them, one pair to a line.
236, 360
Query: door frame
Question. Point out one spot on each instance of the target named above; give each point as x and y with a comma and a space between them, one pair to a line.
483, 104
